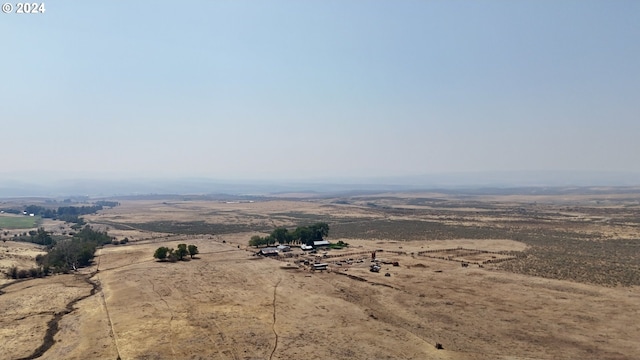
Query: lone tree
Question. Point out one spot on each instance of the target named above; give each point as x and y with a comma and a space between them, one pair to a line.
192, 250
161, 253
182, 251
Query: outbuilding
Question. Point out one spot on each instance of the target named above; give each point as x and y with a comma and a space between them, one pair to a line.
317, 244
320, 266
284, 248
269, 251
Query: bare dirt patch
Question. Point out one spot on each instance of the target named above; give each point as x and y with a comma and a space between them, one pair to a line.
28, 308
19, 254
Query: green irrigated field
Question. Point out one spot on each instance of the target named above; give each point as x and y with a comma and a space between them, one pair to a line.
18, 222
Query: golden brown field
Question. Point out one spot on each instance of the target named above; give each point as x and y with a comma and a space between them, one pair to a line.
549, 277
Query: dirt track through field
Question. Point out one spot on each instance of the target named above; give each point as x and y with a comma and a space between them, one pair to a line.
273, 327
106, 310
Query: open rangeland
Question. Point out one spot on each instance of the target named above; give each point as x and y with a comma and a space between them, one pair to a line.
486, 278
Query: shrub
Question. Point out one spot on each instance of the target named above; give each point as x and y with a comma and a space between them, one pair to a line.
35, 272
13, 272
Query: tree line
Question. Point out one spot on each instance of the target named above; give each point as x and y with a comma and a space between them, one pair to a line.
65, 213
301, 235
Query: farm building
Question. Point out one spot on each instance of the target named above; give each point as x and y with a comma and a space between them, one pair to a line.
283, 248
322, 243
269, 251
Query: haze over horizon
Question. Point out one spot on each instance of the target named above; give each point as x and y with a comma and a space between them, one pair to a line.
460, 183
310, 90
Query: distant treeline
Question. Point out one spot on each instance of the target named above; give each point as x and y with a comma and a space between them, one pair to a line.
65, 213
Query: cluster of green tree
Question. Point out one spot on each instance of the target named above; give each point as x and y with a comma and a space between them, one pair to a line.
34, 272
71, 214
75, 252
40, 237
301, 235
164, 253
12, 211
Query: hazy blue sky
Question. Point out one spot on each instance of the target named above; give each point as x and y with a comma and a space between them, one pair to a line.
302, 89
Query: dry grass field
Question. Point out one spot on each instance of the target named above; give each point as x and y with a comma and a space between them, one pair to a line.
548, 277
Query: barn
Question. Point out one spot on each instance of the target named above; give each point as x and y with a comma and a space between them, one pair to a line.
268, 251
